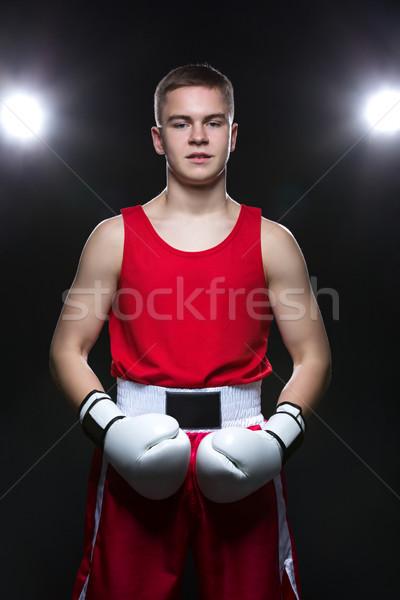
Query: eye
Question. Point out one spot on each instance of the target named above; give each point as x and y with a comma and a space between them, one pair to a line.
180, 125
213, 124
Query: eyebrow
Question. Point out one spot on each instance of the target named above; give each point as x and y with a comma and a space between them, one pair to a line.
188, 118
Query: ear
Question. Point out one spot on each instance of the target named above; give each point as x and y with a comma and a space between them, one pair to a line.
233, 136
157, 140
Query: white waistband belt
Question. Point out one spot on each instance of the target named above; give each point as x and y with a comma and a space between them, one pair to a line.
240, 404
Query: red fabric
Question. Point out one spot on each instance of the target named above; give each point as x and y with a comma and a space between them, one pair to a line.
141, 545
191, 319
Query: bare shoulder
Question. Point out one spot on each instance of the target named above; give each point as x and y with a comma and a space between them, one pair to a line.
280, 250
103, 250
275, 235
277, 240
107, 235
108, 230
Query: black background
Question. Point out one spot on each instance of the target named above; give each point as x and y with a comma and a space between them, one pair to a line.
302, 73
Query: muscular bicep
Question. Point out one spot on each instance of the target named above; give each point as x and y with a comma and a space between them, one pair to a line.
91, 294
292, 300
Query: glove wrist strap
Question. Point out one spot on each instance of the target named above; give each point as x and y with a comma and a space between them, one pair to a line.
97, 413
288, 427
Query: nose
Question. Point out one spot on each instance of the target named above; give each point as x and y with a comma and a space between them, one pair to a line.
198, 134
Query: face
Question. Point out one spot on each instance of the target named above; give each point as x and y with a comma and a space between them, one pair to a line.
196, 134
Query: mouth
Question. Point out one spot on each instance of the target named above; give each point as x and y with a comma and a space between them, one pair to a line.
198, 157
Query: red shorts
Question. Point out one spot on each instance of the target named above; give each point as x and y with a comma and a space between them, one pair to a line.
135, 548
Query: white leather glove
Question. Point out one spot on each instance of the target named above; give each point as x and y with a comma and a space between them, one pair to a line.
235, 462
149, 451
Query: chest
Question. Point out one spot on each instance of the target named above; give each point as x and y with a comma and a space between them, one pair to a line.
193, 236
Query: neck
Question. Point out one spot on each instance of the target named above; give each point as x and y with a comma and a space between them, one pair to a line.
195, 199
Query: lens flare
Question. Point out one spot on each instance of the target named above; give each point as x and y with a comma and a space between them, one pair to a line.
22, 116
383, 111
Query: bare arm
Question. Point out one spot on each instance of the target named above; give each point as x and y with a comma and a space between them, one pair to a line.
85, 310
297, 316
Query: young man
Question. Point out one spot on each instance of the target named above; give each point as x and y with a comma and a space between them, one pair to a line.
185, 459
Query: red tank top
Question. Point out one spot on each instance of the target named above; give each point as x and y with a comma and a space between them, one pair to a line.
191, 319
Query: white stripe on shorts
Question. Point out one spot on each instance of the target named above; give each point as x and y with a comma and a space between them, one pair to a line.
285, 543
99, 501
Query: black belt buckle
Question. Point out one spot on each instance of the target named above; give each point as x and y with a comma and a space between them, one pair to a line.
195, 410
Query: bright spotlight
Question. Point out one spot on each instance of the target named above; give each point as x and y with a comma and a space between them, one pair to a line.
21, 116
383, 111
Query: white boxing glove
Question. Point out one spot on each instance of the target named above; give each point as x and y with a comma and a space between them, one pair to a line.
149, 451
235, 462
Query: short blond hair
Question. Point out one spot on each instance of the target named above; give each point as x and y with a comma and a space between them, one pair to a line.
188, 76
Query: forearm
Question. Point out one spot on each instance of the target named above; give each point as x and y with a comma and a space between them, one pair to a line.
73, 376
307, 385
149, 451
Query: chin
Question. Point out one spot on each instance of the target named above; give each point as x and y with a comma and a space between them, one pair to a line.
201, 179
